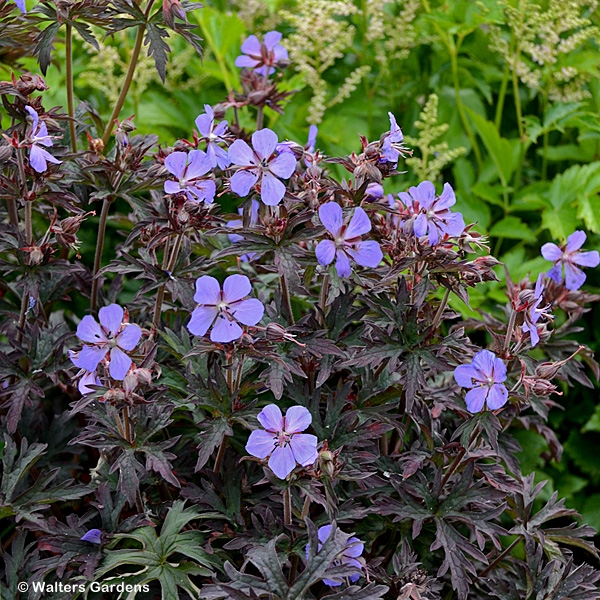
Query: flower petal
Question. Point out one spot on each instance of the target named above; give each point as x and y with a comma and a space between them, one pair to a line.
304, 447
297, 419
236, 287
261, 443
130, 336
225, 331
88, 330
282, 461
354, 548
248, 312
218, 156
359, 224
241, 154
111, 318
175, 163
199, 164
497, 397
330, 214
208, 291
325, 252
85, 381
270, 418
90, 357
499, 371
202, 318
204, 122
38, 158
551, 252
424, 193
555, 273
241, 182
283, 165
464, 375
264, 142
172, 187
271, 39
453, 224
475, 399
575, 241
420, 225
203, 191
246, 61
447, 199
484, 362
586, 259
272, 190
93, 535
251, 46
574, 277
342, 264
119, 364
366, 254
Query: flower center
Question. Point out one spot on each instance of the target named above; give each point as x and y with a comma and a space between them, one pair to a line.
222, 307
282, 439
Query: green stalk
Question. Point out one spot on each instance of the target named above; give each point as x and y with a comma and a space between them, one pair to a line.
135, 55
502, 96
459, 105
70, 95
98, 255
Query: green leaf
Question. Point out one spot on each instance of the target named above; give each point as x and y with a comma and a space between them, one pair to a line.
499, 148
589, 210
514, 229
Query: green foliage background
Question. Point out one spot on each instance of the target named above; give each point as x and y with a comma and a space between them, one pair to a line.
502, 99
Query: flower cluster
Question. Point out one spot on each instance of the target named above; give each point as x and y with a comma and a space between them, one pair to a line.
38, 157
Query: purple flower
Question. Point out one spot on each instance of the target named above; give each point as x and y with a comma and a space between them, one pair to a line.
262, 57
282, 439
38, 157
349, 556
534, 312
111, 336
87, 379
21, 5
212, 134
392, 146
433, 216
374, 190
238, 223
222, 310
189, 168
93, 536
346, 242
261, 162
569, 256
485, 376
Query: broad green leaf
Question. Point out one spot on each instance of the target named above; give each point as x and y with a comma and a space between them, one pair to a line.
500, 149
589, 210
513, 228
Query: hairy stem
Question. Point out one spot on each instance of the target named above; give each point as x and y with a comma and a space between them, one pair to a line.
305, 508
127, 425
98, 255
323, 298
135, 55
221, 454
509, 331
259, 117
440, 311
285, 293
287, 506
69, 75
498, 558
168, 265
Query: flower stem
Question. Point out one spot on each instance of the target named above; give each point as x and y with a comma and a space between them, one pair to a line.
498, 558
287, 506
168, 265
502, 96
305, 508
509, 331
221, 454
98, 256
127, 425
440, 311
323, 298
135, 55
285, 293
259, 117
69, 75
